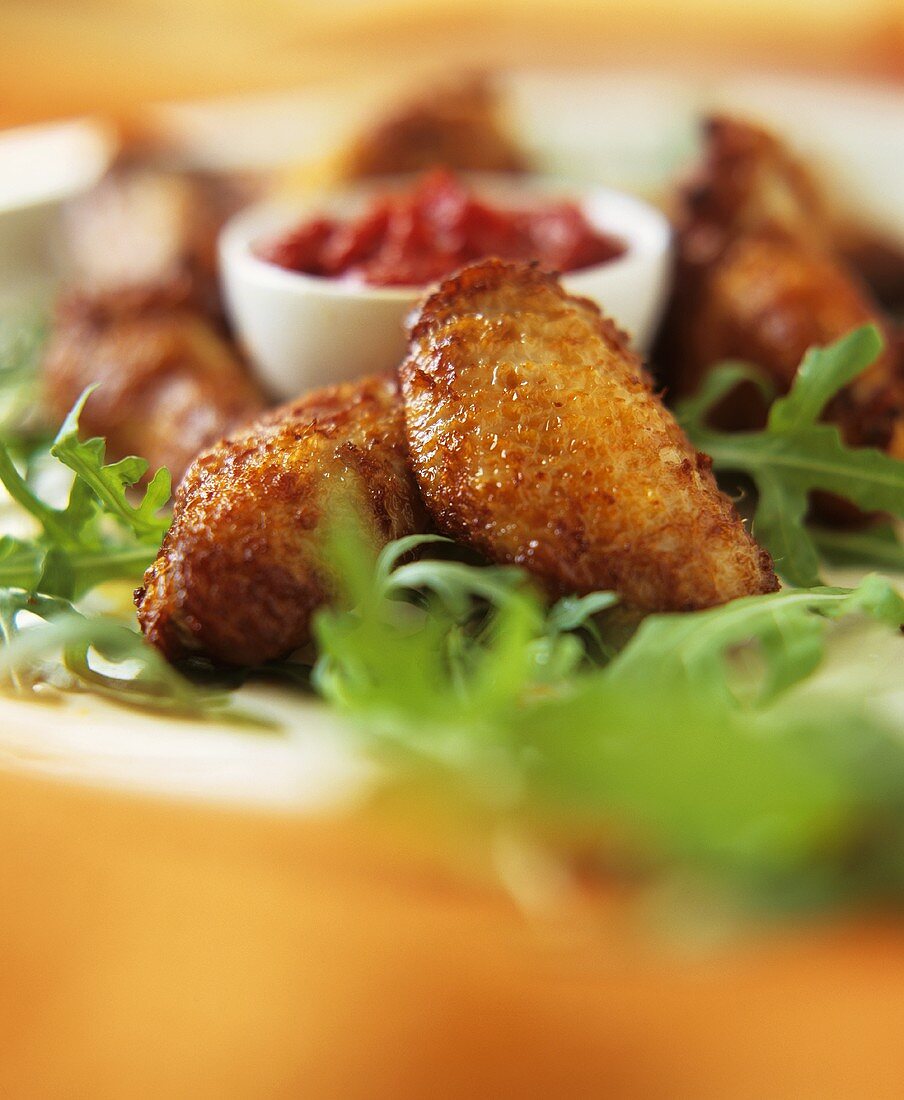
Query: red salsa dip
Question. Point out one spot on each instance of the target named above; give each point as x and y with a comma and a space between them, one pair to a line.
413, 237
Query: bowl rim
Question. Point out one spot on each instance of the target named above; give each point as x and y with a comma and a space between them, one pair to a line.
646, 232
89, 145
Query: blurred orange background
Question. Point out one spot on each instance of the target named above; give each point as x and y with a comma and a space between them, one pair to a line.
67, 57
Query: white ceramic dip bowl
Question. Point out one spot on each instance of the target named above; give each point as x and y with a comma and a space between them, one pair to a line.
303, 331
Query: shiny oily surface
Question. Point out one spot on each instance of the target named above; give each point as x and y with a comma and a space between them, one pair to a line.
243, 566
587, 486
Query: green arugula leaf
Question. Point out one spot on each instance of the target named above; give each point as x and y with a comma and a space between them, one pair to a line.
779, 524
21, 674
110, 482
717, 384
766, 790
99, 535
689, 650
20, 563
790, 797
76, 549
821, 374
771, 803
52, 520
574, 612
445, 643
875, 546
874, 596
22, 338
795, 455
133, 675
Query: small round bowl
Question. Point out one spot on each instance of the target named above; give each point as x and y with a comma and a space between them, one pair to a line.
304, 331
41, 167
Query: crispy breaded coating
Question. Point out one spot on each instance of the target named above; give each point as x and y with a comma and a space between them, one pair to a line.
766, 301
142, 225
243, 567
454, 126
747, 181
536, 439
170, 382
757, 279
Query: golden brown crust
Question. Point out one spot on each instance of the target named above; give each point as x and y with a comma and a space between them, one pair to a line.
747, 182
455, 126
242, 569
141, 225
766, 301
536, 439
757, 279
170, 383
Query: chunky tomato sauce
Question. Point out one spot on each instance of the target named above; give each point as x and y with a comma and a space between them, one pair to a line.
417, 236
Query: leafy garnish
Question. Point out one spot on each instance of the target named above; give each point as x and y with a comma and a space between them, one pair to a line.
879, 546
451, 643
796, 454
99, 534
667, 744
22, 338
109, 483
101, 655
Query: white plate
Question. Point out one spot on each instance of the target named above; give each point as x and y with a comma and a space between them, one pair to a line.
629, 130
40, 167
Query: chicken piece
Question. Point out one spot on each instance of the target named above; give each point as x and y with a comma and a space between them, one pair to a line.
757, 279
878, 260
243, 567
536, 439
170, 383
456, 126
766, 301
141, 226
747, 182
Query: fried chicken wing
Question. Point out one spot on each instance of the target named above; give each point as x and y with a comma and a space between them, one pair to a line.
456, 126
170, 382
747, 181
877, 259
142, 225
757, 279
536, 439
243, 567
766, 301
